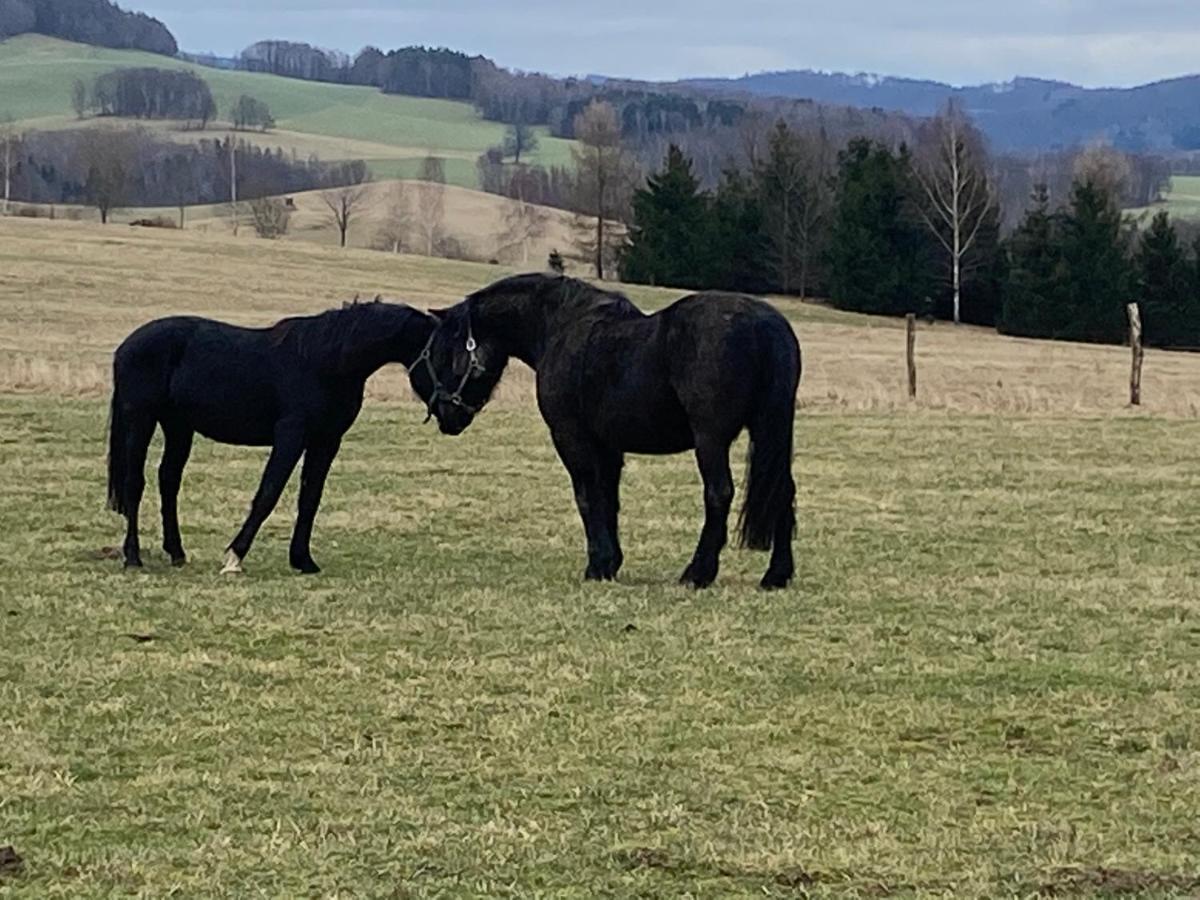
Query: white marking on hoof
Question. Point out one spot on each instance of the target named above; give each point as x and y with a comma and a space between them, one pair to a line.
233, 565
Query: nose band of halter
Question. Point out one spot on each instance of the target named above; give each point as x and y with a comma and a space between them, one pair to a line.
454, 398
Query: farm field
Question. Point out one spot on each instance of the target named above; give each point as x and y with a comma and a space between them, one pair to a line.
336, 121
1184, 197
1181, 200
982, 684
476, 220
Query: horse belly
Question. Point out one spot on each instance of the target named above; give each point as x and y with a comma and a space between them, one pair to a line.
224, 411
656, 429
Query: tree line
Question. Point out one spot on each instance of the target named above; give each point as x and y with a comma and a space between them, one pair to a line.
95, 22
153, 93
417, 71
146, 93
113, 168
896, 228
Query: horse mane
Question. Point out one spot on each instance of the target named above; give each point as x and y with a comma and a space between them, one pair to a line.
333, 335
573, 292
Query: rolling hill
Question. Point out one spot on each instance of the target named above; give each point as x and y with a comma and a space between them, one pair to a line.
392, 133
1021, 115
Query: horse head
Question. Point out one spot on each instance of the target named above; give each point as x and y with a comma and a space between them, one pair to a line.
458, 370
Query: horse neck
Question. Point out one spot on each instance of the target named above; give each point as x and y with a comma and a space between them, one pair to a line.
519, 322
391, 336
524, 321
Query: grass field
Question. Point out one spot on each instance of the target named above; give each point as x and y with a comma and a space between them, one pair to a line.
36, 74
1181, 200
475, 219
1184, 196
983, 684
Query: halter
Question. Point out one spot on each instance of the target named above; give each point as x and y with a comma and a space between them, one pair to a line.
474, 367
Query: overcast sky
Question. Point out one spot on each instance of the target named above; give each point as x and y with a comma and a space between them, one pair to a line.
1093, 42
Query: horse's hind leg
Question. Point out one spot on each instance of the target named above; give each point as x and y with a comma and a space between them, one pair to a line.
712, 455
177, 447
782, 566
138, 432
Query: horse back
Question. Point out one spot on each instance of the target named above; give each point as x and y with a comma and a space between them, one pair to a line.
220, 379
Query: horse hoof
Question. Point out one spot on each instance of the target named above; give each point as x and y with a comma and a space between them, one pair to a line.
133, 563
772, 582
699, 581
233, 564
306, 567
178, 561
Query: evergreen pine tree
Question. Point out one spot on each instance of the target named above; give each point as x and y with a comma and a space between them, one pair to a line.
1096, 271
667, 238
1169, 307
879, 254
1030, 306
737, 252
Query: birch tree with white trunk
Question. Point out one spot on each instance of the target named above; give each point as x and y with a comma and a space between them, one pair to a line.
951, 167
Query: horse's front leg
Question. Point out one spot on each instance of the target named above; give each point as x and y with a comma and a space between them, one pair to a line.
713, 458
595, 496
317, 460
289, 444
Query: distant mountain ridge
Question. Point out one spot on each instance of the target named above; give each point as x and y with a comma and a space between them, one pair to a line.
1020, 115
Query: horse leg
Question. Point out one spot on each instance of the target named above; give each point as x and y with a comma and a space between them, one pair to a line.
317, 460
289, 444
176, 450
782, 566
138, 433
611, 467
584, 463
713, 459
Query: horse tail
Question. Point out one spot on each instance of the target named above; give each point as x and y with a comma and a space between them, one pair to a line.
116, 452
770, 490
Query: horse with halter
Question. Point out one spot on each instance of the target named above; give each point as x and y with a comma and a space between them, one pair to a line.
613, 380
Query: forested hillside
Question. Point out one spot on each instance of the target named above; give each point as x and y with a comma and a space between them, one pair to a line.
95, 22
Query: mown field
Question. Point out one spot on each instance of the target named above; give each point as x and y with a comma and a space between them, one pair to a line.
336, 121
1181, 200
983, 683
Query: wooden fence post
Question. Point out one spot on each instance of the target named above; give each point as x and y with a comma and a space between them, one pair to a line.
1135, 343
911, 328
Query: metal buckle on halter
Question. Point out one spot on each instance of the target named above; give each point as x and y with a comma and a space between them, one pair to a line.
474, 367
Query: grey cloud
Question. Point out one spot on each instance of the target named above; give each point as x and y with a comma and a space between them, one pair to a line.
1088, 41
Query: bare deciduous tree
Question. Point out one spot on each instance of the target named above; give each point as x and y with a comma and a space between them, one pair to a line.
397, 220
1105, 167
951, 168
110, 156
79, 97
431, 204
524, 223
604, 180
793, 178
271, 216
8, 140
344, 203
519, 138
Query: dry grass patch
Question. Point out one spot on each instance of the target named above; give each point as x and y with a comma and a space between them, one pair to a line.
70, 292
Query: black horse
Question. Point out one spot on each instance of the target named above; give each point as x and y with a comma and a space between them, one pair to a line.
296, 387
612, 380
